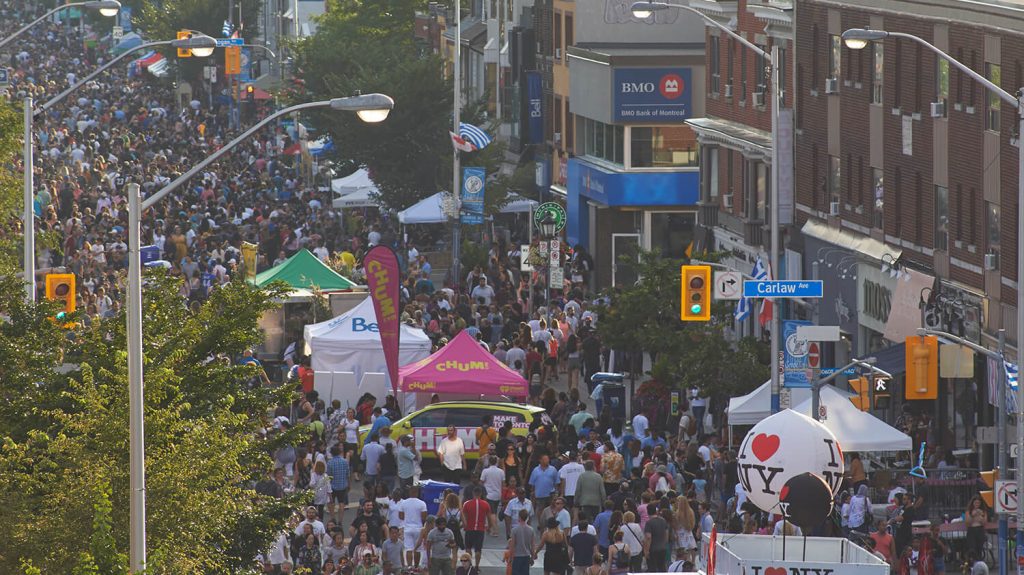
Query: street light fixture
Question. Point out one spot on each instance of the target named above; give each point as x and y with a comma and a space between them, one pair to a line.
108, 8
373, 103
858, 38
643, 10
547, 226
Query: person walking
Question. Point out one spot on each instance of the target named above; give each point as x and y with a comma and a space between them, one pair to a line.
556, 549
407, 459
476, 517
451, 451
521, 544
657, 541
338, 471
590, 491
440, 543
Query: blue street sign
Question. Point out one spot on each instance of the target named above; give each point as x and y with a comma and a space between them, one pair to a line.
225, 42
783, 288
830, 370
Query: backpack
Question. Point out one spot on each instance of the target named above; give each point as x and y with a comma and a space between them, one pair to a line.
622, 558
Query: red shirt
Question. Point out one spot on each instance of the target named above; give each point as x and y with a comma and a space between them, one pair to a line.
476, 511
306, 377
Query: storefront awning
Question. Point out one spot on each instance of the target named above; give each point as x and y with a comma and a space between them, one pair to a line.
854, 242
892, 359
734, 135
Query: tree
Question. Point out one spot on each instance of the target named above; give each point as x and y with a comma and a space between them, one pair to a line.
162, 20
64, 436
645, 318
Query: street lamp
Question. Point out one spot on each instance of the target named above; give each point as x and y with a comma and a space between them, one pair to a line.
106, 8
858, 38
377, 105
643, 10
547, 227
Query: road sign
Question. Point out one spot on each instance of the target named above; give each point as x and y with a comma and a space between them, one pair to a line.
819, 332
785, 398
822, 412
5, 77
783, 288
1005, 499
225, 42
1014, 450
557, 277
985, 434
524, 258
728, 285
830, 370
117, 33
555, 254
556, 211
813, 355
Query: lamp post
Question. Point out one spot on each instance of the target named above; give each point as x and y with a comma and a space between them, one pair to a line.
456, 120
858, 39
643, 10
371, 108
547, 231
106, 8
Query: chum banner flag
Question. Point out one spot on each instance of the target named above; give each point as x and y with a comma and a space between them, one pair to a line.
384, 278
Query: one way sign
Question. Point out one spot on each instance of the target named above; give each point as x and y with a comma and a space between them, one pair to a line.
728, 285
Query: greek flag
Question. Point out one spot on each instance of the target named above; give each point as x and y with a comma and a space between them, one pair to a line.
226, 30
760, 272
475, 136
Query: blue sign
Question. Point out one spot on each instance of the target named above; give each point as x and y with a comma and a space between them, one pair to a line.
473, 183
148, 254
534, 107
795, 352
225, 42
652, 95
360, 324
830, 370
783, 288
245, 76
126, 19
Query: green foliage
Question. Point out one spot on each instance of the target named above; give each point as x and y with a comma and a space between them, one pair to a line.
473, 254
162, 20
645, 317
10, 179
64, 436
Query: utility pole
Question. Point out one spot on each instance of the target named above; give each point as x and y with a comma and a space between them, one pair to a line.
456, 120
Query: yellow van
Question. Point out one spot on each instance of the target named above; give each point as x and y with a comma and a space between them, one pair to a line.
430, 424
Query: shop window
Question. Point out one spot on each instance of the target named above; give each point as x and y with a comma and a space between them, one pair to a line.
942, 82
663, 147
994, 101
600, 140
993, 223
941, 218
878, 189
672, 232
878, 71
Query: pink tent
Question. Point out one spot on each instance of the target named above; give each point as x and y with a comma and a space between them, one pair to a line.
462, 366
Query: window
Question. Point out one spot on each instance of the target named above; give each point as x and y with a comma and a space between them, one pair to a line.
558, 35
960, 77
835, 56
729, 62
897, 100
569, 32
558, 121
714, 64
815, 76
992, 227
743, 75
462, 417
917, 80
960, 212
800, 90
600, 140
834, 173
941, 218
780, 74
860, 181
878, 188
993, 74
972, 84
662, 147
432, 418
672, 233
898, 196
941, 81
760, 190
728, 172
877, 71
761, 73
711, 169
570, 129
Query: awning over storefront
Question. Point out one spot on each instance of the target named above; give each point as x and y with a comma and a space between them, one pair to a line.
751, 142
892, 359
853, 242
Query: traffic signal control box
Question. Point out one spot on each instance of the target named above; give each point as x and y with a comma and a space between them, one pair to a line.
695, 304
922, 367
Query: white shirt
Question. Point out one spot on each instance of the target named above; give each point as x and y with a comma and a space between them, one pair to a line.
451, 452
279, 549
318, 527
394, 508
705, 453
640, 425
413, 509
777, 531
741, 495
576, 529
570, 474
493, 477
631, 534
351, 430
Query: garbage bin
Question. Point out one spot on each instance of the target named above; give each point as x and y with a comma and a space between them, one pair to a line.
603, 377
613, 395
430, 493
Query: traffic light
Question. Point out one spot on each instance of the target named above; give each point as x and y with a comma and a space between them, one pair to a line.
862, 386
880, 392
250, 93
184, 52
61, 287
922, 367
990, 478
696, 296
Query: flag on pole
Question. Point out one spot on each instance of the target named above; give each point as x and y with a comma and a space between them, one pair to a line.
460, 143
474, 136
767, 304
743, 306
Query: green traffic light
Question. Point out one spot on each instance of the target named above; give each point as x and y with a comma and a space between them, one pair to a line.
695, 308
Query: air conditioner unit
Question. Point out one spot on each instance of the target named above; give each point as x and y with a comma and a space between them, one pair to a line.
990, 261
938, 109
759, 98
728, 90
558, 138
831, 85
727, 201
833, 208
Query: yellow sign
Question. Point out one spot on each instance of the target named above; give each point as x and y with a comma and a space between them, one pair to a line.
184, 52
452, 365
232, 60
249, 259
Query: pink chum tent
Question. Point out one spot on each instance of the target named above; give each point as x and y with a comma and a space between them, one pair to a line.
462, 366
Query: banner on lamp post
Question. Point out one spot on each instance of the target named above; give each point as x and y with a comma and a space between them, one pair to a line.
473, 184
383, 278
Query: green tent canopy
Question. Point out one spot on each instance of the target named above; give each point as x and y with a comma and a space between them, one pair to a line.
304, 270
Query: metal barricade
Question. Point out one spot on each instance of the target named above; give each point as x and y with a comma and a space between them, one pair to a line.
947, 491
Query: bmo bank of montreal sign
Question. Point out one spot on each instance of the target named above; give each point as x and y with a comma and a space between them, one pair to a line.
652, 95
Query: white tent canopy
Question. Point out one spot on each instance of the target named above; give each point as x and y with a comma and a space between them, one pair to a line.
431, 210
356, 181
361, 198
751, 408
518, 205
856, 430
351, 343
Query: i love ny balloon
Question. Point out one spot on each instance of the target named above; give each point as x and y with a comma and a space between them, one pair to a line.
781, 447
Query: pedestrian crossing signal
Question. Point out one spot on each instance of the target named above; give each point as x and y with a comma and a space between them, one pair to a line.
696, 293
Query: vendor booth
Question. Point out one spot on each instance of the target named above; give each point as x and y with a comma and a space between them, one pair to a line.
351, 343
304, 270
463, 369
856, 430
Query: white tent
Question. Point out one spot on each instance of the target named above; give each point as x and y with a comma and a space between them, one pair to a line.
361, 198
351, 343
856, 430
518, 205
426, 211
356, 181
751, 408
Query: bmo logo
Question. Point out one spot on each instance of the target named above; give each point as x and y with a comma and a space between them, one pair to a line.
671, 86
638, 88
